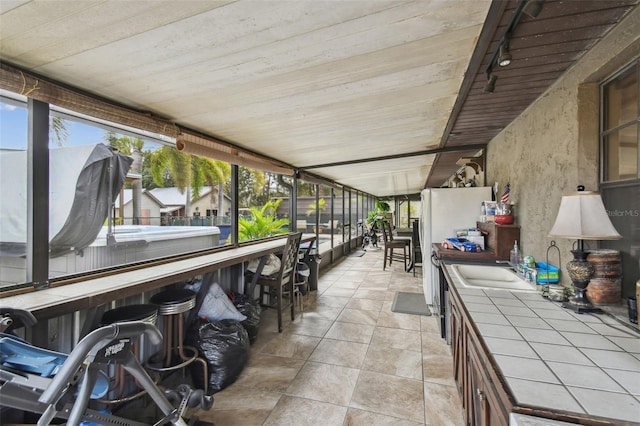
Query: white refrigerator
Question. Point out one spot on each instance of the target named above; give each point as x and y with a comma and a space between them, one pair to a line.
443, 211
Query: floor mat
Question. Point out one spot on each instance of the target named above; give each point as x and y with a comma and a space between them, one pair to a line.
357, 254
410, 303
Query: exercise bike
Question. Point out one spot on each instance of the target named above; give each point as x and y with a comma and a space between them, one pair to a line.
60, 386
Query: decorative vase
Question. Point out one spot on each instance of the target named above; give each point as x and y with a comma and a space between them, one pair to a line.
580, 271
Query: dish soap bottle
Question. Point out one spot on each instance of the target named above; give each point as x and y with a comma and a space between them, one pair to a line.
515, 257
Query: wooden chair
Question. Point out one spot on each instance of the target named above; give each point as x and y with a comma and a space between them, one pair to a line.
390, 244
276, 286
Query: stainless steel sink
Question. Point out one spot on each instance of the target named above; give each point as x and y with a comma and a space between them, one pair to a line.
491, 277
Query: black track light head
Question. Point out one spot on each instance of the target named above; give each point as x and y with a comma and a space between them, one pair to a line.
505, 55
491, 83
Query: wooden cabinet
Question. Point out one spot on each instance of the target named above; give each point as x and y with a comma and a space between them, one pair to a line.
484, 405
484, 399
500, 238
459, 352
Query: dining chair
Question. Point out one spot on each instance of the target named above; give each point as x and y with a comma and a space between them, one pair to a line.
416, 251
391, 243
281, 284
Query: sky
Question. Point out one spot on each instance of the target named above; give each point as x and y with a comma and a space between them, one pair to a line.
13, 130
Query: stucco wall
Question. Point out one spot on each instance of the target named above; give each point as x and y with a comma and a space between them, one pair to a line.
553, 146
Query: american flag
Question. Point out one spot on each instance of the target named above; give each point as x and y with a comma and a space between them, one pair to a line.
505, 195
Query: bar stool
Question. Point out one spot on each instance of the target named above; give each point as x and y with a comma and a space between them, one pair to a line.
146, 313
172, 304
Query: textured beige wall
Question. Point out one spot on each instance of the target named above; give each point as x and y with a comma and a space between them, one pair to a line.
553, 146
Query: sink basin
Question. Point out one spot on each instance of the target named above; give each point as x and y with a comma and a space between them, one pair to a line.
491, 277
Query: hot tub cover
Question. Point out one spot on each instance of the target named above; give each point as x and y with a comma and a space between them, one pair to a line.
81, 180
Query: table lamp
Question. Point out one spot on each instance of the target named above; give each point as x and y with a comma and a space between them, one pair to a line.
582, 216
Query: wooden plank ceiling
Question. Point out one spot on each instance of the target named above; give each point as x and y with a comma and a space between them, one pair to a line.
381, 96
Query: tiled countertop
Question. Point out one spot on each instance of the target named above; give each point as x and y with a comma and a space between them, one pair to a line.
553, 358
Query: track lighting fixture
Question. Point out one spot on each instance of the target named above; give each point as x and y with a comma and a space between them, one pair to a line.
505, 55
491, 83
533, 8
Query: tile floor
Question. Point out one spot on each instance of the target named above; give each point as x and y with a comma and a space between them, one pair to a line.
349, 360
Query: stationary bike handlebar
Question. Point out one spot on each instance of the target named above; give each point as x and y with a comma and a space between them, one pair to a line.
92, 343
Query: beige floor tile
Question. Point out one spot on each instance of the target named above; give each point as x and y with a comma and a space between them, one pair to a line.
308, 326
358, 316
339, 352
365, 304
342, 283
325, 382
442, 405
353, 275
304, 412
370, 294
406, 279
322, 312
389, 395
433, 344
243, 417
290, 345
396, 320
397, 338
372, 285
430, 324
332, 301
271, 373
341, 292
395, 362
438, 369
239, 397
352, 332
357, 417
377, 281
376, 275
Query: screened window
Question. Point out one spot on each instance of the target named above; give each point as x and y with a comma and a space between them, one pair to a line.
115, 196
13, 192
621, 120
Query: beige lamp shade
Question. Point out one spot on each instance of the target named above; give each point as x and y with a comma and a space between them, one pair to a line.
582, 216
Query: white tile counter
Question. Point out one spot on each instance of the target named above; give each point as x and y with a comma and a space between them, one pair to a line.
554, 358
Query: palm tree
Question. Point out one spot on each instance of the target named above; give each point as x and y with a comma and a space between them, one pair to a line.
133, 148
58, 131
263, 222
190, 173
313, 208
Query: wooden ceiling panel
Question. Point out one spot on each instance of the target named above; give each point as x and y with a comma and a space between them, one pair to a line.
542, 49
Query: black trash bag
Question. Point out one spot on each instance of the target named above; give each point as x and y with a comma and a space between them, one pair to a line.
224, 345
250, 309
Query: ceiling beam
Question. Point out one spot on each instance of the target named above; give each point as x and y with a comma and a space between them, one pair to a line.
396, 156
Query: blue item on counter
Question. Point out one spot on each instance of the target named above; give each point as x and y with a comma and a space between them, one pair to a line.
463, 244
547, 273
